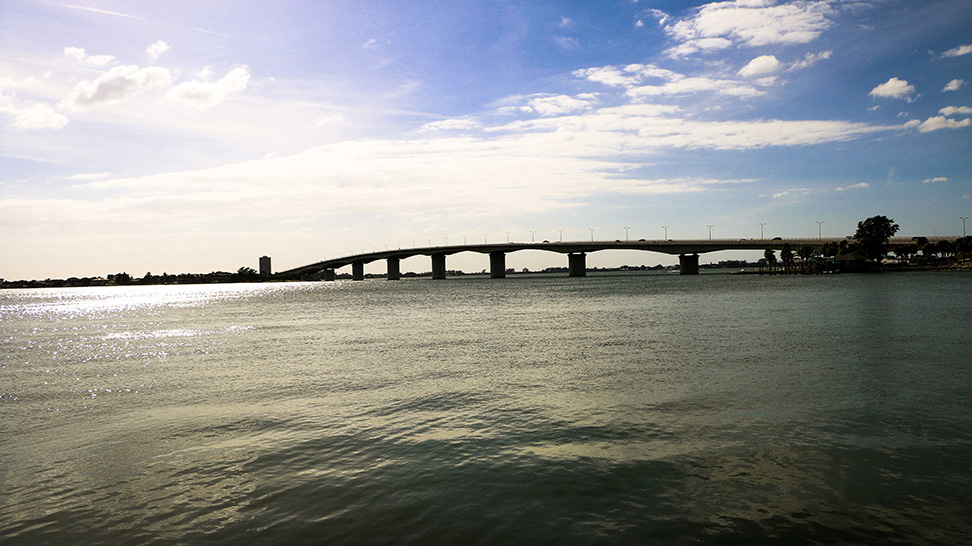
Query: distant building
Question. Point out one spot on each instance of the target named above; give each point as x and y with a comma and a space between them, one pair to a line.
265, 265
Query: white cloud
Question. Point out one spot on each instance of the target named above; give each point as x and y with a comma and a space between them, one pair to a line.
792, 192
684, 85
952, 110
89, 176
565, 23
330, 119
810, 59
941, 122
30, 115
451, 125
894, 89
749, 23
78, 55
764, 64
662, 17
200, 94
933, 180
860, 186
115, 86
567, 42
958, 51
705, 45
154, 51
954, 85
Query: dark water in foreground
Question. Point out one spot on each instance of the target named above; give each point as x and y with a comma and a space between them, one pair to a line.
620, 409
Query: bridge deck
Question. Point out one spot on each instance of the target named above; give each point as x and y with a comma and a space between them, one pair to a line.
673, 247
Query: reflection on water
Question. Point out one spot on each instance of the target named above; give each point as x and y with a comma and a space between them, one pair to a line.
608, 409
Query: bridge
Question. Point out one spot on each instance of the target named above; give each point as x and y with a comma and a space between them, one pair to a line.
688, 251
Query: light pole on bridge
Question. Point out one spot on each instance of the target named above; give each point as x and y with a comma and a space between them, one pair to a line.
710, 231
761, 224
964, 218
592, 234
533, 235
561, 235
819, 230
507, 236
626, 233
484, 238
666, 232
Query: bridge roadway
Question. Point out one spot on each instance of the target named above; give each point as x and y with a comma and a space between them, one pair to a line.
688, 251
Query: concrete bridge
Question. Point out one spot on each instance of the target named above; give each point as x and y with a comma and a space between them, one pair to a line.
688, 251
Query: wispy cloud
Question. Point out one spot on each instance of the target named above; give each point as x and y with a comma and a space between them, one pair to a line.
78, 55
96, 10
958, 51
154, 51
860, 186
934, 180
201, 94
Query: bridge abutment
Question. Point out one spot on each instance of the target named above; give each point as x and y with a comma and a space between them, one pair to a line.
394, 271
329, 274
497, 265
438, 266
577, 264
357, 271
688, 264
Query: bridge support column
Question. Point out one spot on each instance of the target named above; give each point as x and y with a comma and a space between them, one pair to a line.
438, 266
357, 271
394, 272
688, 264
577, 264
329, 274
497, 265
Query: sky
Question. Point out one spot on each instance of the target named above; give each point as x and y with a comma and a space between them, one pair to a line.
187, 136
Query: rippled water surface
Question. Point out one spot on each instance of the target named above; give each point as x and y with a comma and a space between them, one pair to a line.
614, 409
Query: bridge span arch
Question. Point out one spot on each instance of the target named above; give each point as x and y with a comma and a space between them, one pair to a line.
688, 251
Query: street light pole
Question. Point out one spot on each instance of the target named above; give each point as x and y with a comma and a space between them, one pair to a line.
484, 238
533, 235
666, 232
761, 224
819, 230
710, 231
592, 234
561, 235
964, 218
507, 236
626, 233
463, 240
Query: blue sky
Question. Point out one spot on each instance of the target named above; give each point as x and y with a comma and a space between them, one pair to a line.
197, 136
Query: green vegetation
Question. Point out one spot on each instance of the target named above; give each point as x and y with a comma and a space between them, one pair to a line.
872, 234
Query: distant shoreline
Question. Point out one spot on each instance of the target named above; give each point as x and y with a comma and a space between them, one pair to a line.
229, 278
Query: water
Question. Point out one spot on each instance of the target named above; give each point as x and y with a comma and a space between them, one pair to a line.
614, 409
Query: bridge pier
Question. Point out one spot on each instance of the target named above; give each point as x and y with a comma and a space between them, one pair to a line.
688, 264
497, 265
438, 266
357, 271
394, 271
329, 274
577, 264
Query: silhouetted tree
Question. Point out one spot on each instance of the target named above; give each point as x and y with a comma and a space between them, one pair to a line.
770, 258
872, 234
247, 274
830, 249
786, 256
